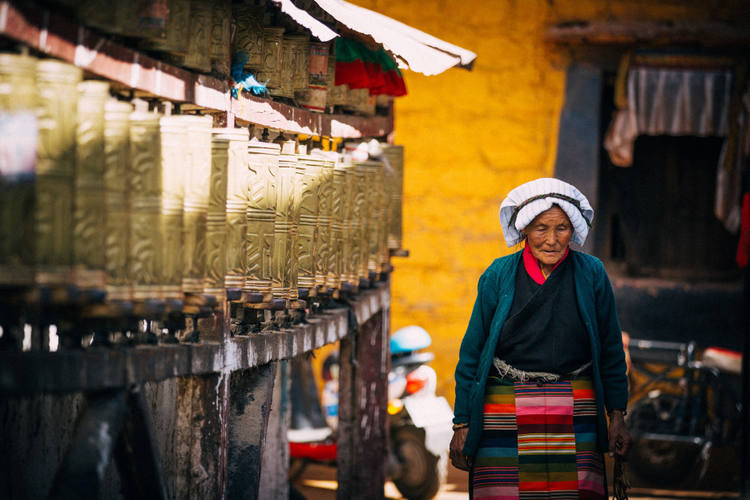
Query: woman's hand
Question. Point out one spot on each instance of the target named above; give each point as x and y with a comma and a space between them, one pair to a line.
458, 459
619, 438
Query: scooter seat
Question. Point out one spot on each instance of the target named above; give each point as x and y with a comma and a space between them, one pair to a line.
725, 360
308, 435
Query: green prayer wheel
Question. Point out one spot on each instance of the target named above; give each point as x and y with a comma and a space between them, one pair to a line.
195, 208
145, 242
264, 179
117, 197
89, 222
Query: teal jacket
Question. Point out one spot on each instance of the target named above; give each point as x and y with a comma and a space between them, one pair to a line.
596, 304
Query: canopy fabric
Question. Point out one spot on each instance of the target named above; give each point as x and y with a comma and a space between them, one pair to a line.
414, 49
318, 29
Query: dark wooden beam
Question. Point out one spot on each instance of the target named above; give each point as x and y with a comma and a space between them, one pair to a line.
704, 33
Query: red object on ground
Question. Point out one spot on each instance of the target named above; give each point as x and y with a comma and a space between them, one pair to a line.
320, 452
743, 247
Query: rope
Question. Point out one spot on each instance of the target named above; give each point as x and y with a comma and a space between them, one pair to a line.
509, 373
620, 483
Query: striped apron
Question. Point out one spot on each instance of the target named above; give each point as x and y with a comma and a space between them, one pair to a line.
538, 441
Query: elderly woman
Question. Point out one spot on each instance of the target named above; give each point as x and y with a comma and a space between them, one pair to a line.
541, 359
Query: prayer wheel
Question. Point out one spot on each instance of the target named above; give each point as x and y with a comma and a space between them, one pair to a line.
357, 236
394, 155
248, 37
141, 19
285, 252
263, 170
325, 261
314, 96
336, 273
97, 13
176, 39
372, 220
220, 36
227, 244
307, 197
36, 170
360, 101
196, 203
290, 48
336, 94
145, 242
171, 179
199, 51
271, 70
117, 197
89, 222
300, 45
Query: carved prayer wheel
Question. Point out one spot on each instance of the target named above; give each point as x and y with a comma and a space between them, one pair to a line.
395, 157
300, 45
176, 39
231, 143
325, 261
308, 199
290, 51
336, 273
171, 179
117, 197
198, 56
271, 70
360, 101
88, 200
357, 239
18, 163
248, 36
196, 203
220, 36
371, 222
141, 19
314, 96
263, 172
285, 254
145, 240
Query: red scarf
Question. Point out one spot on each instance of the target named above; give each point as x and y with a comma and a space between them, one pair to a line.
532, 265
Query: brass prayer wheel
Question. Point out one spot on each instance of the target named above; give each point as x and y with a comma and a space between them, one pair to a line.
117, 197
314, 96
308, 199
300, 46
336, 94
395, 157
19, 127
227, 244
173, 164
176, 38
141, 19
89, 205
145, 240
198, 56
196, 203
271, 70
371, 222
97, 13
285, 253
325, 261
263, 183
220, 36
336, 273
291, 51
358, 252
248, 36
360, 101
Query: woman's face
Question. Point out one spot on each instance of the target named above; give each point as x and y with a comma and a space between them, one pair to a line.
548, 235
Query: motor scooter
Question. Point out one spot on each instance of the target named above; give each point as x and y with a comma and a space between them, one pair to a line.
685, 413
419, 420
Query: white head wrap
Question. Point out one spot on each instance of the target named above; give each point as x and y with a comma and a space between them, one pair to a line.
525, 202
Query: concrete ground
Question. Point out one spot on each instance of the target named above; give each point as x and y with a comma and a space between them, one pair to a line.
318, 482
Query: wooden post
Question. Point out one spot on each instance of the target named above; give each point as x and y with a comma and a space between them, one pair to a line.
251, 397
363, 399
274, 473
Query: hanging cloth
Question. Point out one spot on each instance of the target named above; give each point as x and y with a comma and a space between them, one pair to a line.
678, 94
361, 68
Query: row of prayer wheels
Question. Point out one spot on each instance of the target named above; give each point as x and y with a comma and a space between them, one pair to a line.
102, 194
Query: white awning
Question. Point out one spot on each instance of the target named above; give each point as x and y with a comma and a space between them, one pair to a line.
414, 49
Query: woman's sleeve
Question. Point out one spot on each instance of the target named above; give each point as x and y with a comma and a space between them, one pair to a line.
472, 344
612, 357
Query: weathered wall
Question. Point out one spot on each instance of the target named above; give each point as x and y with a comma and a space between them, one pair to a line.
470, 137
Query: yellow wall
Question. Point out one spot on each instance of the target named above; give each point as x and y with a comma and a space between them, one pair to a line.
470, 137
